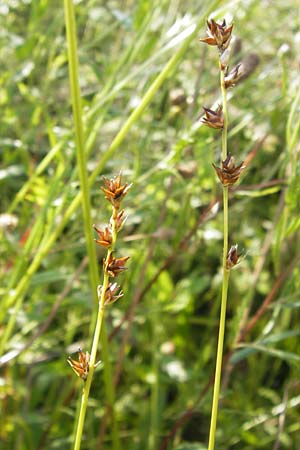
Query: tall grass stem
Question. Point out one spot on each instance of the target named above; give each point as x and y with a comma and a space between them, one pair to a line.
80, 142
216, 392
87, 218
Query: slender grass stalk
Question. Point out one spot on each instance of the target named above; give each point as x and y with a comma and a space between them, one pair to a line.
225, 114
80, 142
155, 387
216, 392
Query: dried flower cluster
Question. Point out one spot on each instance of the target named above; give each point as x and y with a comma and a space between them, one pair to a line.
213, 119
114, 192
80, 367
218, 34
229, 173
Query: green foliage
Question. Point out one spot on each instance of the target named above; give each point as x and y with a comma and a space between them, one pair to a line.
135, 58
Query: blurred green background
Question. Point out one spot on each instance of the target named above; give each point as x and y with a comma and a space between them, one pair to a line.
163, 332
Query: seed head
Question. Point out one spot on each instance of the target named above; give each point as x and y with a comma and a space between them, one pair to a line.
229, 173
80, 367
104, 236
218, 34
114, 191
233, 76
115, 265
232, 257
112, 293
213, 119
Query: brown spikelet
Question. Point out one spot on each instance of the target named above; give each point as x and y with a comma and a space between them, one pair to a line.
218, 34
213, 119
229, 173
232, 257
114, 190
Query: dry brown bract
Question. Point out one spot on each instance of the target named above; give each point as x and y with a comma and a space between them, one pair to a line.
112, 293
229, 173
218, 34
104, 236
80, 367
114, 266
213, 119
233, 76
119, 220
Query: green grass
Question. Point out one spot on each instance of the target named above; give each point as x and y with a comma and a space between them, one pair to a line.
132, 57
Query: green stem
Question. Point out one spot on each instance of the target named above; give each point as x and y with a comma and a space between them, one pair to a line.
225, 114
226, 272
87, 385
155, 387
215, 402
80, 142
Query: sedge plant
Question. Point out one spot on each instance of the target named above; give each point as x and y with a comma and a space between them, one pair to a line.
219, 35
108, 292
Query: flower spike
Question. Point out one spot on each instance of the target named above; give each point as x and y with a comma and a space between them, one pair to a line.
229, 173
114, 191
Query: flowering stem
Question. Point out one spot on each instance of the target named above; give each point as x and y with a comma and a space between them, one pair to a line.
96, 338
215, 402
87, 385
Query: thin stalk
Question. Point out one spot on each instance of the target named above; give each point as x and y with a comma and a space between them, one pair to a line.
226, 272
225, 114
155, 387
80, 142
